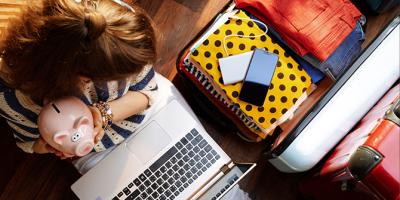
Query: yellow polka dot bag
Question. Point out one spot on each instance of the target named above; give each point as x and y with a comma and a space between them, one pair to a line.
289, 84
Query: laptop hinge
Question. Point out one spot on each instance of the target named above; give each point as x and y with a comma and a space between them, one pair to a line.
226, 168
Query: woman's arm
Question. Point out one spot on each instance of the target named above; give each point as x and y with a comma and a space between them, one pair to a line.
131, 103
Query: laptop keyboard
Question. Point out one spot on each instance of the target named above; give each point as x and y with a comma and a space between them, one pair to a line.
174, 171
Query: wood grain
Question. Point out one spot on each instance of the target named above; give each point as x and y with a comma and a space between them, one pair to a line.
24, 176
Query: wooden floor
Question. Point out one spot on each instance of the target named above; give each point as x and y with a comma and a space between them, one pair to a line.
24, 176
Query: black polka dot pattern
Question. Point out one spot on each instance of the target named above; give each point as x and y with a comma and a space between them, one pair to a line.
289, 78
235, 94
242, 46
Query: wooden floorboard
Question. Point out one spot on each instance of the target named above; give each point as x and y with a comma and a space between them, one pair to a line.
24, 176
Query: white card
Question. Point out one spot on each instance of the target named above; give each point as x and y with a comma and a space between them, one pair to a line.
234, 68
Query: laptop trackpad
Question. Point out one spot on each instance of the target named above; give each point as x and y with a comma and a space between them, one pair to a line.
148, 142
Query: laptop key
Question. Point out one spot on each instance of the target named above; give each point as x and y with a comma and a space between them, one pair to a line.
147, 183
204, 161
189, 146
184, 141
130, 185
202, 153
134, 194
154, 186
208, 165
153, 178
181, 163
178, 155
149, 190
179, 145
181, 172
190, 181
171, 180
189, 137
147, 172
115, 198
199, 165
164, 158
199, 173
172, 188
194, 142
176, 176
188, 174
120, 194
154, 195
143, 195
184, 151
202, 144
212, 161
173, 160
183, 179
172, 197
207, 148
197, 158
196, 149
178, 184
181, 189
186, 167
175, 167
209, 156
159, 181
198, 138
191, 154
193, 170
194, 132
192, 162
168, 164
185, 185
163, 169
217, 157
195, 176
165, 186
142, 188
158, 173
185, 158
204, 169
137, 182
176, 193
126, 191
163, 197
169, 172
214, 152
142, 177
168, 193
160, 190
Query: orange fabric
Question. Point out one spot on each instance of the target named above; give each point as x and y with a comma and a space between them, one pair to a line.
308, 26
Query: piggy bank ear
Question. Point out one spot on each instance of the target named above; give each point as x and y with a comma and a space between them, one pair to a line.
59, 137
81, 121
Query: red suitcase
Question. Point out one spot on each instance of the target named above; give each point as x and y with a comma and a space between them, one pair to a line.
366, 164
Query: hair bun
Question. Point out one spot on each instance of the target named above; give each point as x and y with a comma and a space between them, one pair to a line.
95, 24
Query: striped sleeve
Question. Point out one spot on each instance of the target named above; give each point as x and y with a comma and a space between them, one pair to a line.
21, 115
146, 84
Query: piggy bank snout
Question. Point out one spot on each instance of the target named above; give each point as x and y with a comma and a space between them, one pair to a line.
84, 148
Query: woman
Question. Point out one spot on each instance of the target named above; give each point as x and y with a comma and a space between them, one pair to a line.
100, 51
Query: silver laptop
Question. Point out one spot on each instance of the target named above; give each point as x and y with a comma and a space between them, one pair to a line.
171, 157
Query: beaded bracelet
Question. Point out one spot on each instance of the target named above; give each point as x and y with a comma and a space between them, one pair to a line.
106, 113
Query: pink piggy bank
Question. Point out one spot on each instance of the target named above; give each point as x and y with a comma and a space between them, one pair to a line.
67, 125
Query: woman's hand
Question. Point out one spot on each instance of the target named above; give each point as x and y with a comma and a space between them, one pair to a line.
41, 147
98, 131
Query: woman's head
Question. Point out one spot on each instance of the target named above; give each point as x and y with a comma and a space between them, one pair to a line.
54, 42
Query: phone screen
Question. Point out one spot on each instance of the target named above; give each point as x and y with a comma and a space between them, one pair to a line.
258, 77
